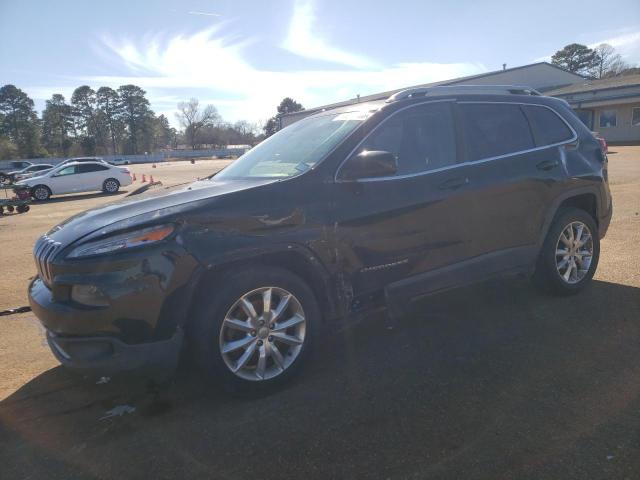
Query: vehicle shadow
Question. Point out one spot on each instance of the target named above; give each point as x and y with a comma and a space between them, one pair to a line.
82, 196
491, 381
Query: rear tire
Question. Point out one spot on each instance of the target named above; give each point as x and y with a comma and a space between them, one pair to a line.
111, 185
570, 253
3, 178
271, 353
41, 192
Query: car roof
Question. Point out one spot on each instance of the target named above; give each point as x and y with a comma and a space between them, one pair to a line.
438, 93
72, 163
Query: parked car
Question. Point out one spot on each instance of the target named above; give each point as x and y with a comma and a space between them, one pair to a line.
13, 166
348, 210
75, 177
119, 161
29, 171
83, 159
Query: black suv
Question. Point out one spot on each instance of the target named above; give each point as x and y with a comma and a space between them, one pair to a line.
369, 205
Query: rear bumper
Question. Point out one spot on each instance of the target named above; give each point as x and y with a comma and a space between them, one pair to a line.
604, 221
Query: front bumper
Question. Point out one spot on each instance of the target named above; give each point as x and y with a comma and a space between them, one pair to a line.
110, 355
98, 352
139, 328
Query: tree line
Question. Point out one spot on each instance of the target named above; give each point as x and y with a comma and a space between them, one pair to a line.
108, 121
600, 62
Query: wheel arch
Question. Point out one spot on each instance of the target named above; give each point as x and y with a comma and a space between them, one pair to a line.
585, 199
298, 261
33, 189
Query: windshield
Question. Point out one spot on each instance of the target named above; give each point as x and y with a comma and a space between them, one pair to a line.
296, 148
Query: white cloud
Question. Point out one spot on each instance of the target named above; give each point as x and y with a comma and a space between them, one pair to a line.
171, 67
626, 43
206, 14
303, 41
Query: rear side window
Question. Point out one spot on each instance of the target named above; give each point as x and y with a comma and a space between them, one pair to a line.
547, 126
422, 138
493, 129
86, 168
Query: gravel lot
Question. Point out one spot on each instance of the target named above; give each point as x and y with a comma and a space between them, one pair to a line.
490, 382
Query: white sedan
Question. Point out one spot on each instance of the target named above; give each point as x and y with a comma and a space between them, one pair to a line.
77, 177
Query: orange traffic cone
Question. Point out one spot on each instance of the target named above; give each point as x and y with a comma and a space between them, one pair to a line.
150, 178
134, 177
144, 179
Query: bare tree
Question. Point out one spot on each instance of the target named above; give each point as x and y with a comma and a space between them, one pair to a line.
607, 63
193, 119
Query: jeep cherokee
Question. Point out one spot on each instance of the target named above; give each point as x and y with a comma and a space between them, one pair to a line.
368, 205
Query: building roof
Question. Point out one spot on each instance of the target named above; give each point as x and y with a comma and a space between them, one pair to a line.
594, 85
384, 95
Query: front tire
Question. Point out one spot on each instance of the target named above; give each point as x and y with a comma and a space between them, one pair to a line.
41, 192
570, 253
257, 330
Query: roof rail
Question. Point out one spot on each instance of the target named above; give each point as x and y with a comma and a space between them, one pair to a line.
456, 89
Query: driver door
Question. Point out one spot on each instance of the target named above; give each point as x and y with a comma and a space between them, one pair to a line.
393, 228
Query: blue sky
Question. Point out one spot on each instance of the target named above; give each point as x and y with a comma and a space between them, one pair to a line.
245, 56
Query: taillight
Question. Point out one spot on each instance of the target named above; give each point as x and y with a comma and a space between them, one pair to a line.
603, 145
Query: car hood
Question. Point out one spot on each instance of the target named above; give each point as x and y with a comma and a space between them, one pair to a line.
37, 177
154, 204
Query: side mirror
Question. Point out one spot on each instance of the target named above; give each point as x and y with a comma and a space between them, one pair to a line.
370, 164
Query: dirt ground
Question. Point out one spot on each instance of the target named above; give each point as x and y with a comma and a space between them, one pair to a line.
18, 233
492, 382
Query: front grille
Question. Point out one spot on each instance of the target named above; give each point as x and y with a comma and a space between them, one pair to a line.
44, 252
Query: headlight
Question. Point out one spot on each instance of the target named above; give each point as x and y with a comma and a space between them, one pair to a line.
120, 242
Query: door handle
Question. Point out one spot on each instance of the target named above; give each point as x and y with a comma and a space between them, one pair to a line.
454, 183
547, 165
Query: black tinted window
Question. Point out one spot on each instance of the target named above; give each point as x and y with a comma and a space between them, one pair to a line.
86, 168
493, 129
547, 126
422, 138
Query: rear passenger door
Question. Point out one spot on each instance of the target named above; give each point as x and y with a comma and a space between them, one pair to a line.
91, 177
515, 171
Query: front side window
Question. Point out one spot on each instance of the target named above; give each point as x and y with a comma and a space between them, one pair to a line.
548, 128
422, 138
66, 171
295, 149
608, 118
494, 129
635, 117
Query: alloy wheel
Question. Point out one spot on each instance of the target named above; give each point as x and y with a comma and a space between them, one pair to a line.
262, 334
41, 193
111, 186
574, 252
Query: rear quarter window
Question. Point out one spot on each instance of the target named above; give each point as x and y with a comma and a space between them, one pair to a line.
494, 129
547, 126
